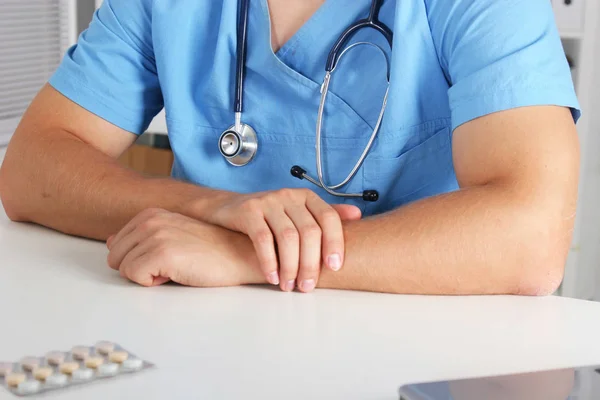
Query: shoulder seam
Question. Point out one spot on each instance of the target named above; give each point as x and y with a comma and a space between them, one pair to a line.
435, 48
149, 57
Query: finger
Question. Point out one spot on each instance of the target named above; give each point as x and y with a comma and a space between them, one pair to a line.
160, 280
120, 248
333, 233
138, 219
109, 240
259, 232
348, 212
133, 262
310, 247
288, 246
143, 267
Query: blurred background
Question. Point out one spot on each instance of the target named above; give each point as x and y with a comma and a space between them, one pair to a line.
34, 34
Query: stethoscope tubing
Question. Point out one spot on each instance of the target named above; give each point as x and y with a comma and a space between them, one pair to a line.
242, 44
243, 138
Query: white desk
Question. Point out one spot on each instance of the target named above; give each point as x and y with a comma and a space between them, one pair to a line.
257, 343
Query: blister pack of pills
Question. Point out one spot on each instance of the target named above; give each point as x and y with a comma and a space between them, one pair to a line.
62, 369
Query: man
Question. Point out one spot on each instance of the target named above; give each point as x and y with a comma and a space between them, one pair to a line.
476, 161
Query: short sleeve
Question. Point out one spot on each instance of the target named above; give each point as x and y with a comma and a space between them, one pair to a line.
111, 71
499, 55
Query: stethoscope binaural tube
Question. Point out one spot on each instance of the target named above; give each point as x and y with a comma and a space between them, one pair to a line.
332, 61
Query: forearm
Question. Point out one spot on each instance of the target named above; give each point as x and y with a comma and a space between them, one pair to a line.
61, 182
482, 240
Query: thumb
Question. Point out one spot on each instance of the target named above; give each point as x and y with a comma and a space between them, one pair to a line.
348, 212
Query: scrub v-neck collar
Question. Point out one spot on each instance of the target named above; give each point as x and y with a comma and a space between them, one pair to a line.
328, 21
293, 41
315, 37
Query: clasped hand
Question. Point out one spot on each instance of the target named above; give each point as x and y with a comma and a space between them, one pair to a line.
281, 237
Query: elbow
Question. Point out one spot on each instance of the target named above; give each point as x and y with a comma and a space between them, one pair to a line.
9, 194
543, 266
544, 281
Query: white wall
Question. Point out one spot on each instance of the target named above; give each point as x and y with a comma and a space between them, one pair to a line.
590, 235
582, 279
2, 152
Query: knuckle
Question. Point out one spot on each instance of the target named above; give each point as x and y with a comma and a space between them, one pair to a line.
311, 231
330, 216
309, 194
263, 236
310, 270
133, 274
289, 271
289, 235
161, 235
149, 225
286, 193
253, 206
166, 254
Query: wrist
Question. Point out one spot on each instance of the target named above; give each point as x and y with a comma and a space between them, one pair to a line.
245, 260
203, 206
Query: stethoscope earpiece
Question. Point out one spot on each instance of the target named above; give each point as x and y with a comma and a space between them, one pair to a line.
298, 172
370, 196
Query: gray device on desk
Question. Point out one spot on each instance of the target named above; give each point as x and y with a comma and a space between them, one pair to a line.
565, 384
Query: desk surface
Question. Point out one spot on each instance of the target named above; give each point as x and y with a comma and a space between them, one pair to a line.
254, 342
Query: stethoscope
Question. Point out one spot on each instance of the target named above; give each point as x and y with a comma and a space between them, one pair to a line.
239, 143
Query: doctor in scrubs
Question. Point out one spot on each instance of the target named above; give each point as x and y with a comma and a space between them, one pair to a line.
475, 162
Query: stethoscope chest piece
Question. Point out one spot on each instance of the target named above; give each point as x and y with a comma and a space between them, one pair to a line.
238, 146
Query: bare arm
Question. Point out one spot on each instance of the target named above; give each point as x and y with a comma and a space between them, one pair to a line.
507, 230
61, 171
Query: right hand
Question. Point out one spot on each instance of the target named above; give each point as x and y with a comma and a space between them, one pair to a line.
294, 224
158, 246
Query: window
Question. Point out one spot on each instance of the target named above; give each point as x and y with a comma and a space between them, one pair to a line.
34, 35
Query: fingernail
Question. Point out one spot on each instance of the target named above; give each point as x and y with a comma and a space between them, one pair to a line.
307, 285
289, 286
273, 278
334, 262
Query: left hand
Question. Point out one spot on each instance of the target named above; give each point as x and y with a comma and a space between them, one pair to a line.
158, 246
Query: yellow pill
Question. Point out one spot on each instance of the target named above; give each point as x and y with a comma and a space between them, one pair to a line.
94, 362
42, 373
118, 356
69, 367
14, 379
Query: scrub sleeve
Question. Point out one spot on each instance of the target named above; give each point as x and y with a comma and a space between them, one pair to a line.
499, 55
111, 71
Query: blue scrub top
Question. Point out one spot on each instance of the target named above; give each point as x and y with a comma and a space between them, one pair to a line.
452, 62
